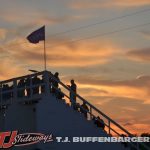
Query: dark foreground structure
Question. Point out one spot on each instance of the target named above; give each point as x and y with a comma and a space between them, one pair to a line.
32, 104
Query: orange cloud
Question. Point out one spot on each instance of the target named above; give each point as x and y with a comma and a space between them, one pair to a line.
35, 18
65, 55
105, 92
134, 88
129, 112
9, 69
141, 128
146, 34
108, 3
142, 55
130, 3
125, 101
3, 33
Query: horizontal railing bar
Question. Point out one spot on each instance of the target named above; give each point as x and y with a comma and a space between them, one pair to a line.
104, 123
91, 114
32, 86
22, 88
93, 107
132, 144
18, 78
13, 80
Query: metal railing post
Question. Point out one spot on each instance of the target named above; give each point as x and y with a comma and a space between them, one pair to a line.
109, 127
46, 76
90, 113
1, 100
46, 81
30, 87
15, 89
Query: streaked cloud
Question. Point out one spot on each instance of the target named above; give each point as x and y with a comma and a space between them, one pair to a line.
92, 92
63, 53
130, 3
131, 112
140, 81
134, 88
3, 33
140, 54
104, 72
35, 19
9, 69
108, 3
146, 34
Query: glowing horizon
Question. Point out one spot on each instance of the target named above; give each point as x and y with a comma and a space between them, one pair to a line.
111, 71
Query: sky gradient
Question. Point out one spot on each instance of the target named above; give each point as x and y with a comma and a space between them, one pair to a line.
111, 71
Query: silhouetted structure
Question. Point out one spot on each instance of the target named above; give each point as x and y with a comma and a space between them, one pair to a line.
6, 94
54, 82
73, 88
27, 83
124, 143
46, 104
99, 122
84, 109
42, 86
59, 94
36, 81
21, 88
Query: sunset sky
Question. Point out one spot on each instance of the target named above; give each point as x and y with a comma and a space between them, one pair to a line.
112, 70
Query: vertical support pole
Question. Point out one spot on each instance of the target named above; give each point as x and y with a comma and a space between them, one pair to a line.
137, 145
109, 127
45, 65
1, 100
31, 87
15, 90
46, 81
2, 119
90, 113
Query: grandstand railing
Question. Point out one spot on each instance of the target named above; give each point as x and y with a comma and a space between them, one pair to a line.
10, 95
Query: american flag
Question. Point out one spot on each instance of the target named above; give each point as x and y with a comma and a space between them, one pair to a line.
36, 36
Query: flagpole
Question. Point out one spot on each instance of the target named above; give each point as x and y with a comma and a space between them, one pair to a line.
37, 36
45, 59
45, 65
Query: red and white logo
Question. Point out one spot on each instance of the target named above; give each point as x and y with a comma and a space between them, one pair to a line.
12, 138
